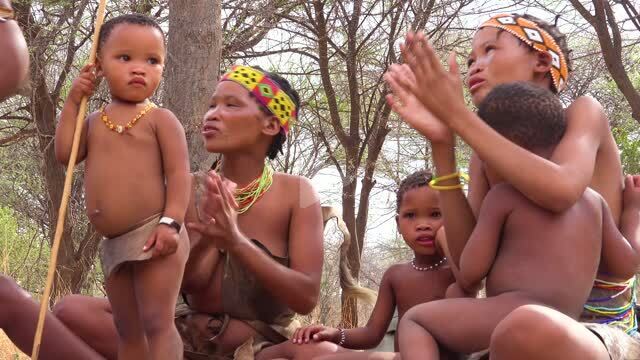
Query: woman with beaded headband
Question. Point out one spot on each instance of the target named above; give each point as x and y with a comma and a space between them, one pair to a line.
262, 236
509, 48
14, 57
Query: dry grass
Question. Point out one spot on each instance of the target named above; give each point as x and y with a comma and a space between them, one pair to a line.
8, 351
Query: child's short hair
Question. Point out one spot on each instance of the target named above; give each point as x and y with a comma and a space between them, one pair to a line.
419, 178
285, 85
133, 19
527, 114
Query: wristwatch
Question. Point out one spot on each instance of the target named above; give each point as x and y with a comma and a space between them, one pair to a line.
170, 222
6, 14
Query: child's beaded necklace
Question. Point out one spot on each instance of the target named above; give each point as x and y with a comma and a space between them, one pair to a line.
433, 266
120, 129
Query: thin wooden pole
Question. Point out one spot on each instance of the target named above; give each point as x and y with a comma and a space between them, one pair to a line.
62, 212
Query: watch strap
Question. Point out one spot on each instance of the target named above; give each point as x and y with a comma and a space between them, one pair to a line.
170, 222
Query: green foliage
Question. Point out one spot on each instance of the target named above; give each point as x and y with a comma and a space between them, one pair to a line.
23, 253
628, 141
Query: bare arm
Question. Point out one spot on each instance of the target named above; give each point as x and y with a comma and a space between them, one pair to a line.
175, 161
64, 134
365, 337
458, 216
478, 184
480, 252
14, 58
370, 335
83, 85
621, 252
299, 285
570, 169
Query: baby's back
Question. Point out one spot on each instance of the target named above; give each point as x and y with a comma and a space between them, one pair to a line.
552, 257
124, 177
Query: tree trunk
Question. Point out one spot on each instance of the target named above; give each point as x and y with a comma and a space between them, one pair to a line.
193, 62
72, 265
349, 186
43, 112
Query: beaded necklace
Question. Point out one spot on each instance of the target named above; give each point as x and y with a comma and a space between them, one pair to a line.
248, 195
622, 316
120, 129
428, 267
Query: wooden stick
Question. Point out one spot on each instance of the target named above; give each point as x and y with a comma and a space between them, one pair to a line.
62, 212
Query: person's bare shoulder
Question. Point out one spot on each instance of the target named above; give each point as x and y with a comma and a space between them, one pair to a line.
298, 188
163, 116
92, 118
588, 102
395, 272
585, 111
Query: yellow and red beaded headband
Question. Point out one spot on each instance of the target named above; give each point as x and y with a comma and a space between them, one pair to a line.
267, 91
531, 34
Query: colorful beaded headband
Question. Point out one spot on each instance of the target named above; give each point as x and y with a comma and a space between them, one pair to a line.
540, 40
267, 91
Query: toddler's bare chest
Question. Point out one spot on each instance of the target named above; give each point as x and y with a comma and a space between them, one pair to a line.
138, 144
421, 287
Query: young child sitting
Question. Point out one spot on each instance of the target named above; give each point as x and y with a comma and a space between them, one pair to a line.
528, 255
404, 285
136, 183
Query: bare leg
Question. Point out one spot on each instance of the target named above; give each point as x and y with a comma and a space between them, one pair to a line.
361, 355
91, 319
289, 350
534, 332
132, 343
19, 318
157, 286
461, 325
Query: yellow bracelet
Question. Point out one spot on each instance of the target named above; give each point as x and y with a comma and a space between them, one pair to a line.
434, 182
6, 14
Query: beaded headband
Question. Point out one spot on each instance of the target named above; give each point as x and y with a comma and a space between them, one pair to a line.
267, 91
531, 34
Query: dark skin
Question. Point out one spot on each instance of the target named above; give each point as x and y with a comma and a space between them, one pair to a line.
515, 246
291, 222
14, 59
586, 156
287, 220
125, 177
126, 70
82, 327
419, 222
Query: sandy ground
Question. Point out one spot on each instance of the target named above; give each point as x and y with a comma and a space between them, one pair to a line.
8, 351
